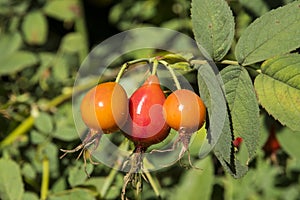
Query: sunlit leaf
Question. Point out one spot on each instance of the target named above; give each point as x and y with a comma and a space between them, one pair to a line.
213, 26
66, 133
44, 122
9, 43
278, 89
72, 43
274, 33
16, 62
11, 185
35, 28
66, 10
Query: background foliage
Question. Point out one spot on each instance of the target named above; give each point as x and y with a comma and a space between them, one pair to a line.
43, 43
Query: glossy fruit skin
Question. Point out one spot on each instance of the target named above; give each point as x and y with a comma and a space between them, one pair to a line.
184, 109
105, 107
146, 124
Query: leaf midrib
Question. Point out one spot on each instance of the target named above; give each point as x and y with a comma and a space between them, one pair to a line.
266, 41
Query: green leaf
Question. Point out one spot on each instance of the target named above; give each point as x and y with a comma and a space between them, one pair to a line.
251, 185
50, 150
213, 26
72, 43
60, 69
11, 185
16, 62
278, 89
219, 131
258, 7
289, 141
211, 92
243, 106
77, 175
37, 137
66, 133
225, 152
82, 194
59, 185
9, 43
44, 122
96, 182
200, 182
66, 10
30, 196
274, 33
28, 171
35, 28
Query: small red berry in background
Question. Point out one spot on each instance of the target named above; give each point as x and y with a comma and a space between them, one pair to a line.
237, 142
272, 145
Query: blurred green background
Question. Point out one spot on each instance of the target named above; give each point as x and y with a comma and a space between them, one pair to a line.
42, 45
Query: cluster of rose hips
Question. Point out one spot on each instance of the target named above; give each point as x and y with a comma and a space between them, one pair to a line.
145, 118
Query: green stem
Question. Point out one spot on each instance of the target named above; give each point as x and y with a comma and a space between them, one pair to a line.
80, 27
155, 65
172, 72
113, 172
121, 72
153, 183
45, 179
127, 64
22, 128
108, 181
152, 180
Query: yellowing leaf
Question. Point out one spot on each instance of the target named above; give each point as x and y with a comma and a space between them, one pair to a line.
278, 89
